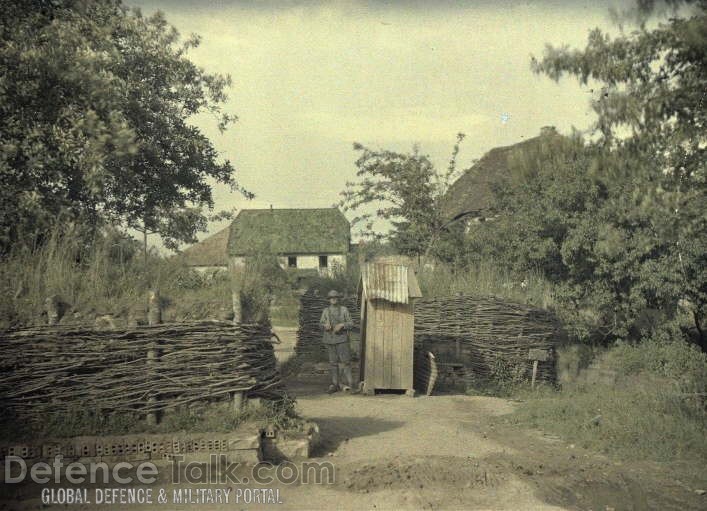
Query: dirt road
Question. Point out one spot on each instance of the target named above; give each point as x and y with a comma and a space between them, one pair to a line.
396, 452
453, 452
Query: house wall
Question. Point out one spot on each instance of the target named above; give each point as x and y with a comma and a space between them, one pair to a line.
237, 262
311, 262
209, 269
304, 261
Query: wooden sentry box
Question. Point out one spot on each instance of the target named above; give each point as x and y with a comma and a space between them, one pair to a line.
386, 294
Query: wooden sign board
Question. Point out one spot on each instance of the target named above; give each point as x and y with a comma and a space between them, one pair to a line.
538, 354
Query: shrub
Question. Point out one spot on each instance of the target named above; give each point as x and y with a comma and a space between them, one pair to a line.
508, 375
343, 279
188, 278
683, 366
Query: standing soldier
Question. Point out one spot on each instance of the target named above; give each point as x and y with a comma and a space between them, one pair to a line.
336, 321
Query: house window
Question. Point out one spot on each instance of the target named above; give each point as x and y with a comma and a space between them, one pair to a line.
292, 261
323, 261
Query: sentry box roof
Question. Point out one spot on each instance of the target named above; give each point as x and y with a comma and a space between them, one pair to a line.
395, 283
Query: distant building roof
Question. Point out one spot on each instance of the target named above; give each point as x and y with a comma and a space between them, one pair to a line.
290, 231
391, 282
472, 193
210, 251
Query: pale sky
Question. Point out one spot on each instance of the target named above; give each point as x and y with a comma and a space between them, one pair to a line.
311, 78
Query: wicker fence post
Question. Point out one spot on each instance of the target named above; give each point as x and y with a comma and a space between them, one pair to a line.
238, 399
154, 310
52, 307
237, 275
154, 317
237, 307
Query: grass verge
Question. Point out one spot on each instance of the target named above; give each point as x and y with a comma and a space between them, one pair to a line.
656, 410
215, 417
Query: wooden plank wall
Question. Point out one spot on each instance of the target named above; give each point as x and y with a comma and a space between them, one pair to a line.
362, 347
406, 364
389, 346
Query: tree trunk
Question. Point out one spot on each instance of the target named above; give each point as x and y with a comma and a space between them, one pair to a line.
702, 341
144, 247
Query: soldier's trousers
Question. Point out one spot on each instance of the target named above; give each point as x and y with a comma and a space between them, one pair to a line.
340, 357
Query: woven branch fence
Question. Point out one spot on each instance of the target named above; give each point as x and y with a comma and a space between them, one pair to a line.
488, 335
479, 332
309, 333
142, 370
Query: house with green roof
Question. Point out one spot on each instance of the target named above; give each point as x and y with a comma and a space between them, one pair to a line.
209, 255
306, 239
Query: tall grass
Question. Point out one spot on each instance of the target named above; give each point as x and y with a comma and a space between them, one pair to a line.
485, 279
62, 265
105, 274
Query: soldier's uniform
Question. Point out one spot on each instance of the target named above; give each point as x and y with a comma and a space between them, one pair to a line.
337, 343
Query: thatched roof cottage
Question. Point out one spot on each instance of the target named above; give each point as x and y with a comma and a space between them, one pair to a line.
209, 255
471, 197
308, 239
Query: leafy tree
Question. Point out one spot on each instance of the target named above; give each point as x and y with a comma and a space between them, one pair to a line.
95, 102
620, 224
405, 190
651, 120
547, 193
259, 282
